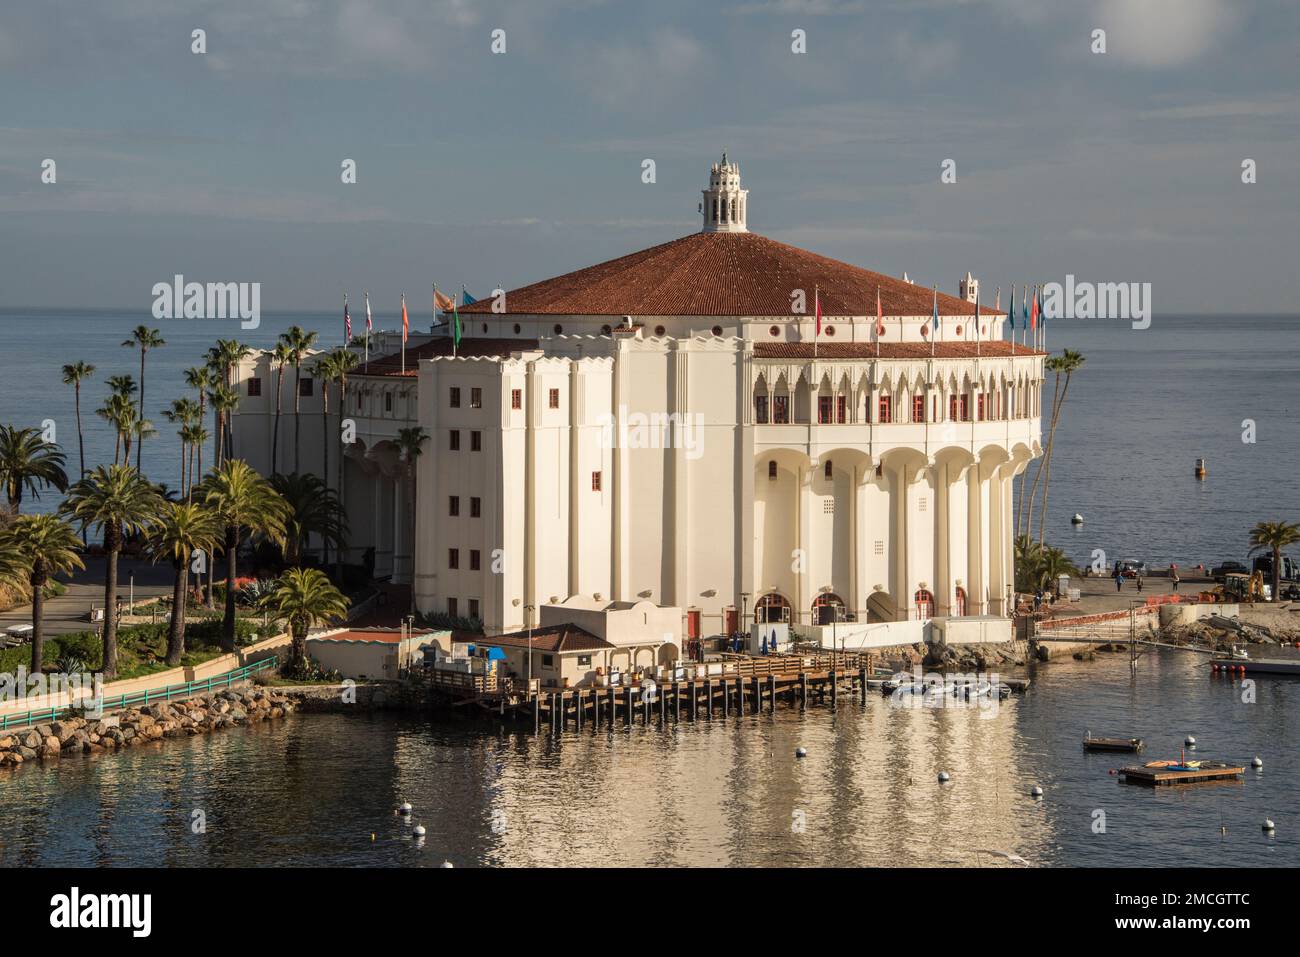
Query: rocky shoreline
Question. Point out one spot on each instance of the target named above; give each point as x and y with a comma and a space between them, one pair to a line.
201, 714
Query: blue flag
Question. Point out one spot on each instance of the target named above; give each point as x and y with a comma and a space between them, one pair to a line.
1011, 310
465, 298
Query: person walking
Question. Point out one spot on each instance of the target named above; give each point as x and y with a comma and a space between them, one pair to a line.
1139, 584
1119, 580
1173, 576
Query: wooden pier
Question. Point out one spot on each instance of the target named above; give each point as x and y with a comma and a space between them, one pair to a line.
1175, 774
733, 685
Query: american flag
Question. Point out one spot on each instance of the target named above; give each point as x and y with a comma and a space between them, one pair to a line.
347, 322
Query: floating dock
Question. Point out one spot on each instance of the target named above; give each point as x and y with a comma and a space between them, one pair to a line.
1163, 773
1263, 666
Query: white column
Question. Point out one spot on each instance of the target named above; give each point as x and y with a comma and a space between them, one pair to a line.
898, 510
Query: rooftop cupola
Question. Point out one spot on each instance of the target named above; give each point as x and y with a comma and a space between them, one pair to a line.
724, 205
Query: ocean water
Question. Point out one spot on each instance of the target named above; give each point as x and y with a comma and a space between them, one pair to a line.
320, 790
1145, 406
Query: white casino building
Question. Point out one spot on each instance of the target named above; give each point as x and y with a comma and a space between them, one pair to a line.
668, 426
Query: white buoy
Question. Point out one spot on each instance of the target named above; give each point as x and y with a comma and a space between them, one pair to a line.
405, 808
801, 752
943, 776
1268, 824
1189, 741
1076, 519
1036, 791
1256, 762
418, 830
448, 864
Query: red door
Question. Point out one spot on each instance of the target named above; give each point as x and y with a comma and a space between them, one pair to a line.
732, 621
693, 624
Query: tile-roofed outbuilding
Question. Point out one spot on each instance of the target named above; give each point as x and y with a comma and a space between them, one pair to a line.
722, 274
557, 638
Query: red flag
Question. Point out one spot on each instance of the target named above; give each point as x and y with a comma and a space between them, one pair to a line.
1033, 311
406, 323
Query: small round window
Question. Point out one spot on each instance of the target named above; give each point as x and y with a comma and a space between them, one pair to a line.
659, 330
830, 330
605, 330
518, 328
959, 330
774, 331
558, 329
717, 330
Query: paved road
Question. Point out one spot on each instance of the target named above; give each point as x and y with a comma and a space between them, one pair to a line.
68, 612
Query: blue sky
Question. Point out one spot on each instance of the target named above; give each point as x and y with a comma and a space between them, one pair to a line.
488, 169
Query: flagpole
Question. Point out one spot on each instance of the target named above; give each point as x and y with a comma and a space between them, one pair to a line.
403, 335
1011, 313
367, 295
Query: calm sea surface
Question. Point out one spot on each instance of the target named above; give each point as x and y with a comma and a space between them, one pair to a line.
1146, 405
312, 789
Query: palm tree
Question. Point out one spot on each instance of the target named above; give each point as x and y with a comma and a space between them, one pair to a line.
119, 410
1051, 566
410, 442
304, 597
281, 356
198, 379
299, 342
1067, 363
1028, 559
28, 462
224, 401
1272, 537
44, 545
241, 499
193, 436
345, 360
185, 413
144, 338
120, 501
73, 373
137, 431
313, 509
325, 371
182, 528
222, 359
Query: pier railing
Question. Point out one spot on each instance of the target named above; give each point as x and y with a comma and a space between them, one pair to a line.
119, 702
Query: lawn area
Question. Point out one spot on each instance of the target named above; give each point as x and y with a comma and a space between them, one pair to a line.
141, 649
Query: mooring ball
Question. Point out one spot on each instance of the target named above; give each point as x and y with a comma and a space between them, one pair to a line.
943, 776
419, 830
1256, 762
1189, 741
1268, 825
405, 808
448, 864
801, 752
1036, 791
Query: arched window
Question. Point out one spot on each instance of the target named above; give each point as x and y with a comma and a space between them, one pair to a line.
771, 470
827, 608
924, 604
827, 469
772, 607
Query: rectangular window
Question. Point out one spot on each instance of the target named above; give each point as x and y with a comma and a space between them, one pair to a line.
474, 559
548, 660
516, 398
453, 505
475, 507
305, 387
781, 409
841, 409
595, 481
388, 402
455, 397
451, 607
584, 661
918, 408
473, 607
824, 409
555, 398
885, 409
476, 398
979, 407
254, 386
453, 440
964, 405
453, 558
952, 408
476, 441
760, 409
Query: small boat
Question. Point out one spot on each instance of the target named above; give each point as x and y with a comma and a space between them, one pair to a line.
1111, 744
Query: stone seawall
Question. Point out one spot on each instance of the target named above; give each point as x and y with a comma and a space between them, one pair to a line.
201, 714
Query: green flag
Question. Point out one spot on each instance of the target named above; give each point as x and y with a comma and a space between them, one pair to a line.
455, 325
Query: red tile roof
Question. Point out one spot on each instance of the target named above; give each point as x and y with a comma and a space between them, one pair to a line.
722, 274
557, 638
470, 348
370, 635
888, 350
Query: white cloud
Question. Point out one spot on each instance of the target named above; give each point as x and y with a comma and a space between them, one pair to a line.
1162, 33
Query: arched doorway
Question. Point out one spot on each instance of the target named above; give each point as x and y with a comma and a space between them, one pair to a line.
827, 608
961, 601
772, 607
924, 602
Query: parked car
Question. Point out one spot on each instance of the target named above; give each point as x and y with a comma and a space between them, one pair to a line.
1228, 568
1132, 568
